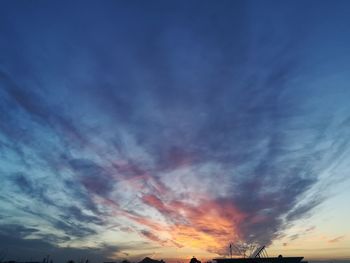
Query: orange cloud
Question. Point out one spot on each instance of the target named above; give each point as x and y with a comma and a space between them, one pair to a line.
210, 224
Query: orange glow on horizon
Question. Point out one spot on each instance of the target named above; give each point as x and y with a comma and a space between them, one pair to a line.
208, 225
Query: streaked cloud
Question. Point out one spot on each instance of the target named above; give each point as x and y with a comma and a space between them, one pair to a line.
335, 240
174, 132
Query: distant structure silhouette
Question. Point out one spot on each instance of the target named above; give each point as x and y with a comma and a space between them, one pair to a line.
259, 255
150, 260
194, 260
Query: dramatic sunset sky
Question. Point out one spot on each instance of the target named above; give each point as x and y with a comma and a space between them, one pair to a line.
171, 128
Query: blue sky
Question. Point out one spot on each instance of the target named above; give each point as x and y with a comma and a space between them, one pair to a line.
170, 129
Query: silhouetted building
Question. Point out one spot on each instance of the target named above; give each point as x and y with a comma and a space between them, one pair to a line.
194, 260
150, 260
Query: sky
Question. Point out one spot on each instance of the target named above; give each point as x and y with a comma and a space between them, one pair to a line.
171, 129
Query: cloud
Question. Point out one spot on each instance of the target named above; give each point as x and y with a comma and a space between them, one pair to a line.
37, 108
69, 218
93, 177
191, 132
34, 190
335, 240
21, 247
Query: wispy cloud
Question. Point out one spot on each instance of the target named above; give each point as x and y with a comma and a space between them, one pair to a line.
335, 240
181, 132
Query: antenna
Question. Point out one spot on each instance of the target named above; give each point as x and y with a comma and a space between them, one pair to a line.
258, 252
239, 250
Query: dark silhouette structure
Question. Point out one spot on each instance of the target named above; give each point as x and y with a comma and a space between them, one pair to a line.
261, 260
194, 260
150, 260
260, 256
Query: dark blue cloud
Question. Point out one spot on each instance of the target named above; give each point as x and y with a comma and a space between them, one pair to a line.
93, 177
20, 248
